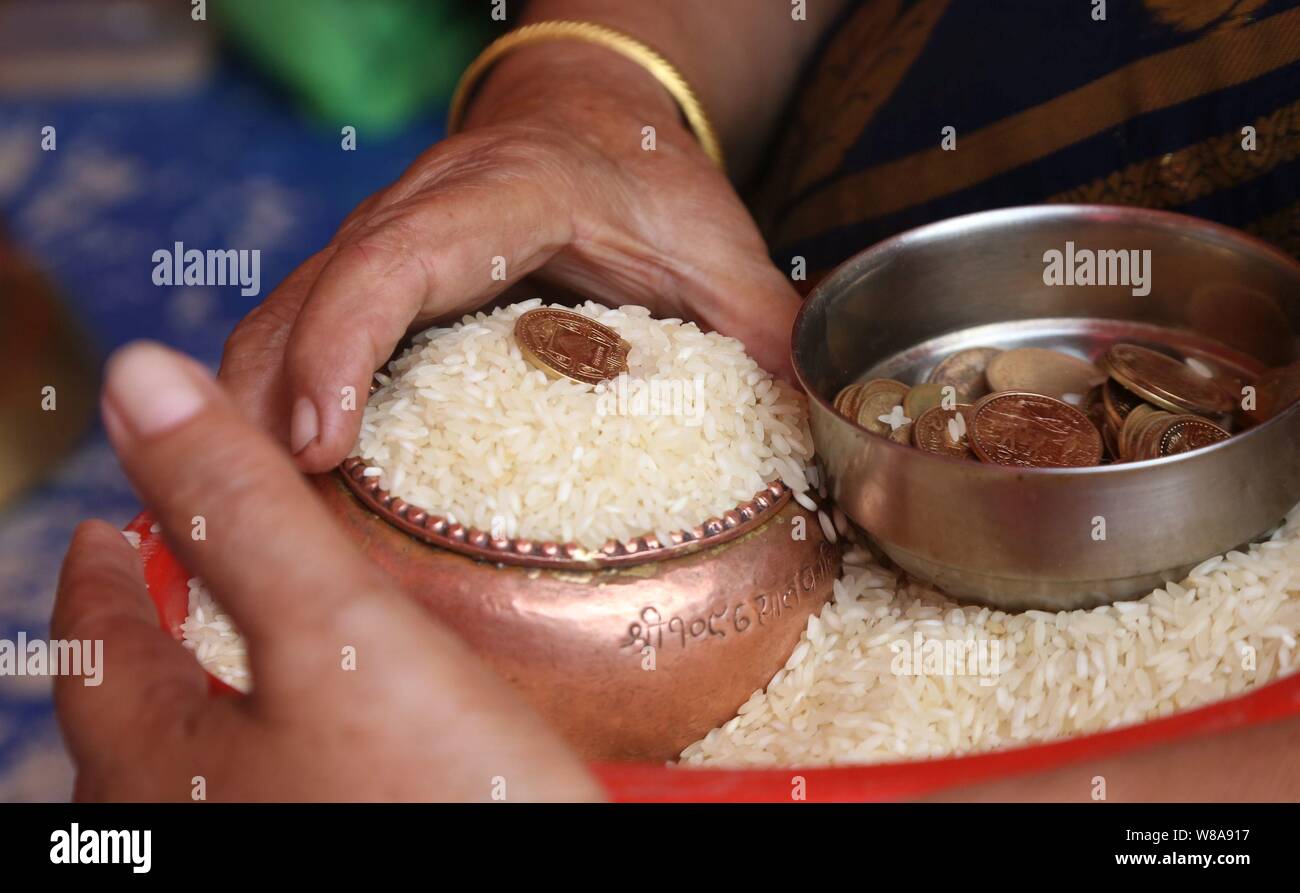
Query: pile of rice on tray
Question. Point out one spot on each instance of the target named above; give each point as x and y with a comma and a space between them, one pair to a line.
891, 669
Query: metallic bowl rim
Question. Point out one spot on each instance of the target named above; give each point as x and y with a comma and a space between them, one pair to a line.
1031, 213
435, 530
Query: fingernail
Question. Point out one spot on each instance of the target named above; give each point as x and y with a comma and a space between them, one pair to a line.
112, 421
151, 389
304, 426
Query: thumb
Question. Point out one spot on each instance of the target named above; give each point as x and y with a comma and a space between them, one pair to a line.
448, 254
265, 540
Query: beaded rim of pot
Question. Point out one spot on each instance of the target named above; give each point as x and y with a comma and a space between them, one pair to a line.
480, 544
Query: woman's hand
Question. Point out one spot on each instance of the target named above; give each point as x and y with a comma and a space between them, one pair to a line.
418, 718
551, 177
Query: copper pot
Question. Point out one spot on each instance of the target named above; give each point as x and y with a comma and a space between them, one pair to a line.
632, 655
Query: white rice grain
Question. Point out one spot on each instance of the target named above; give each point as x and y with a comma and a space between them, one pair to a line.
1059, 674
211, 634
463, 426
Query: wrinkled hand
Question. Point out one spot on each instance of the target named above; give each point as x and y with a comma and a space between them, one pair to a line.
417, 719
557, 185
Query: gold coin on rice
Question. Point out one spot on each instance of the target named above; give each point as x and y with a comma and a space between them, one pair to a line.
564, 344
965, 371
879, 398
1037, 370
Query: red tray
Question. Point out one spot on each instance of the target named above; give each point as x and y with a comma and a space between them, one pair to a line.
641, 782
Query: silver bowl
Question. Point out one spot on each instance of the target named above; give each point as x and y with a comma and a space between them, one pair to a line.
1052, 539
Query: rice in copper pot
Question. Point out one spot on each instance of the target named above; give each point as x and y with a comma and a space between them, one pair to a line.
465, 428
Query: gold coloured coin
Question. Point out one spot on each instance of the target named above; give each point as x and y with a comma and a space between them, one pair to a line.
965, 371
1031, 430
1119, 401
1134, 423
902, 434
1188, 432
1127, 430
933, 431
1166, 382
1111, 440
564, 344
846, 401
1146, 444
921, 398
1041, 371
879, 398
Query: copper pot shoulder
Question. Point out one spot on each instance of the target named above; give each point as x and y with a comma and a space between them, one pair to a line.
633, 662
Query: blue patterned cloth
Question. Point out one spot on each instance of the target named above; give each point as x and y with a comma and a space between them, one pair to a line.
228, 166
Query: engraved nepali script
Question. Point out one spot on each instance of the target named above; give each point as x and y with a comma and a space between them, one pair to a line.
651, 629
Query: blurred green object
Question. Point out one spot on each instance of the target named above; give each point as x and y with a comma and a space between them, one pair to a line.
373, 64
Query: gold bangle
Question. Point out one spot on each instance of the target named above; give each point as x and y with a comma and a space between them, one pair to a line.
629, 48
